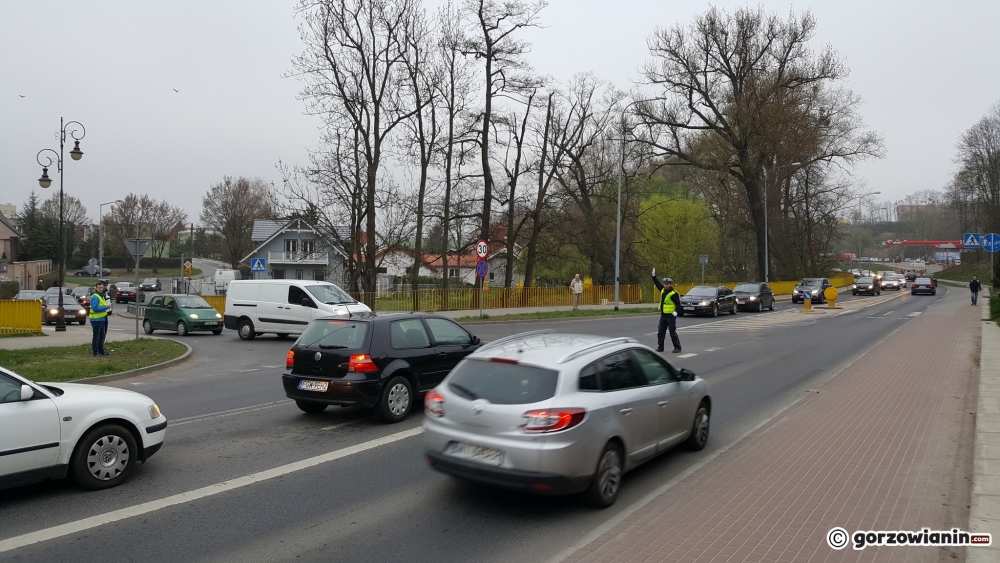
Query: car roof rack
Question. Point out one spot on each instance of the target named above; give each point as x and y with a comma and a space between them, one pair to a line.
609, 342
499, 341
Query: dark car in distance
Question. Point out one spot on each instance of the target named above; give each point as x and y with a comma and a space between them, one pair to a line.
815, 287
72, 311
379, 360
923, 285
754, 296
708, 300
866, 286
150, 284
127, 291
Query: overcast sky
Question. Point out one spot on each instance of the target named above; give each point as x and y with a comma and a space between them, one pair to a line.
925, 70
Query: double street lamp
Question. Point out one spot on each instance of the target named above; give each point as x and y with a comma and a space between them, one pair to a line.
76, 131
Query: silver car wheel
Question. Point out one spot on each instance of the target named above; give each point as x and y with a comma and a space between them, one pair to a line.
399, 399
609, 473
108, 457
701, 426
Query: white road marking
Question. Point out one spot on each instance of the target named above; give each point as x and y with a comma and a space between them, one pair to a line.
241, 410
712, 349
190, 496
687, 355
343, 424
913, 314
889, 313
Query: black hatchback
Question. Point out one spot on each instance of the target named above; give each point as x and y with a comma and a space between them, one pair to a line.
377, 360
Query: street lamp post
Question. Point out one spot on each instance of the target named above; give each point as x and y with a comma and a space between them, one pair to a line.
45, 182
100, 234
767, 254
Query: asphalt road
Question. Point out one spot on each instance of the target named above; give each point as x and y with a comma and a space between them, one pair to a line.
375, 499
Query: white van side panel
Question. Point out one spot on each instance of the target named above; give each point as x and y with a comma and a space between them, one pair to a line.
271, 304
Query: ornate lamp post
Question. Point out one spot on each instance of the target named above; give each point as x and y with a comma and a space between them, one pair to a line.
76, 131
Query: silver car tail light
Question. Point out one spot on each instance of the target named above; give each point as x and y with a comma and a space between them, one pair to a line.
552, 420
434, 404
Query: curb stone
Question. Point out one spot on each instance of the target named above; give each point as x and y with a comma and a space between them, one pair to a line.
138, 371
984, 512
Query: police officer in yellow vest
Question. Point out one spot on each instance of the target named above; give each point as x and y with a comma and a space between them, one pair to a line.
99, 318
670, 301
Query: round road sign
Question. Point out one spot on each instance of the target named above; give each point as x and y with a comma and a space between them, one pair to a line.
482, 249
482, 268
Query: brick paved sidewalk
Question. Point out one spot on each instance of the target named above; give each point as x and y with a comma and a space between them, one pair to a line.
884, 445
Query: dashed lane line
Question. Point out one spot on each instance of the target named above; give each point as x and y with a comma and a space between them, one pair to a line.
230, 412
200, 493
690, 355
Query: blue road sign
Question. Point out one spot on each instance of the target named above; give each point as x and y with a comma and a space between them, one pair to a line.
991, 242
970, 240
482, 268
258, 265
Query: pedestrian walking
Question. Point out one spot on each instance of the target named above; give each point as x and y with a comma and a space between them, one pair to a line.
99, 318
670, 301
975, 287
576, 288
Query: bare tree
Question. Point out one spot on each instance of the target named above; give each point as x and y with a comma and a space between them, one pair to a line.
354, 68
739, 80
74, 213
165, 222
422, 75
495, 43
232, 206
131, 218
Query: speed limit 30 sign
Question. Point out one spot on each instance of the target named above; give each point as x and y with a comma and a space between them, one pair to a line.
482, 249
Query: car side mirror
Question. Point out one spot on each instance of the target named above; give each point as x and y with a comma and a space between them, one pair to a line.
687, 375
306, 302
27, 392
170, 307
475, 339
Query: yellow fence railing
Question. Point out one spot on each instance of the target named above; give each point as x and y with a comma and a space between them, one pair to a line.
20, 317
216, 301
495, 298
500, 298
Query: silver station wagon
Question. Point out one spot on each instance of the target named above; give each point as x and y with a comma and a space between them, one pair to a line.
561, 413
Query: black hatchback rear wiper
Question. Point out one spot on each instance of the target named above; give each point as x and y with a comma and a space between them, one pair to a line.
332, 346
463, 391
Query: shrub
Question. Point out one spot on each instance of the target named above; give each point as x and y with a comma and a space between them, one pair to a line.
8, 289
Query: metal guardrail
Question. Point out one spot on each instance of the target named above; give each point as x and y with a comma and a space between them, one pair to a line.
20, 317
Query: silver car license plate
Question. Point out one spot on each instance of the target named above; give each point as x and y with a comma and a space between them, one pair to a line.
310, 385
490, 456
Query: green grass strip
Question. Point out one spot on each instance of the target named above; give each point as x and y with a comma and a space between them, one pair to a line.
76, 362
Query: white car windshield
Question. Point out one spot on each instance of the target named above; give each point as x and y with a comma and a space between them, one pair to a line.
330, 294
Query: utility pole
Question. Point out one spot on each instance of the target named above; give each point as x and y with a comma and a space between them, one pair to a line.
187, 288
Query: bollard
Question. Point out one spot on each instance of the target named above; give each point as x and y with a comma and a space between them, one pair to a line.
807, 302
831, 294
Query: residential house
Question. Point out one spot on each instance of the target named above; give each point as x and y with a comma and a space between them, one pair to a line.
13, 265
294, 249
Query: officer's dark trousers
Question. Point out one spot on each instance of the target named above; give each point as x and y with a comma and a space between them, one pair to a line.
667, 322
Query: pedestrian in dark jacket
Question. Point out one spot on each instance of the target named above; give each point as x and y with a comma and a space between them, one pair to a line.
975, 287
670, 302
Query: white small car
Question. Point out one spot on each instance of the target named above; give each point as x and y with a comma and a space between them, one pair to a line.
96, 435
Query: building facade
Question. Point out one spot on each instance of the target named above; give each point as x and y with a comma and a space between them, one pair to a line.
294, 250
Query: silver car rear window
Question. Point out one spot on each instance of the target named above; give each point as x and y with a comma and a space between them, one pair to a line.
502, 383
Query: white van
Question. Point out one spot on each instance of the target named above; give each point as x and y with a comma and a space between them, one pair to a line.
284, 307
224, 277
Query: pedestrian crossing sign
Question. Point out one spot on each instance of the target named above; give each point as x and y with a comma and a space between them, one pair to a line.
971, 240
258, 265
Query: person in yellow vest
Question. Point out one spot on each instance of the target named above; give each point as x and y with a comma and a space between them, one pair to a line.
670, 301
99, 318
